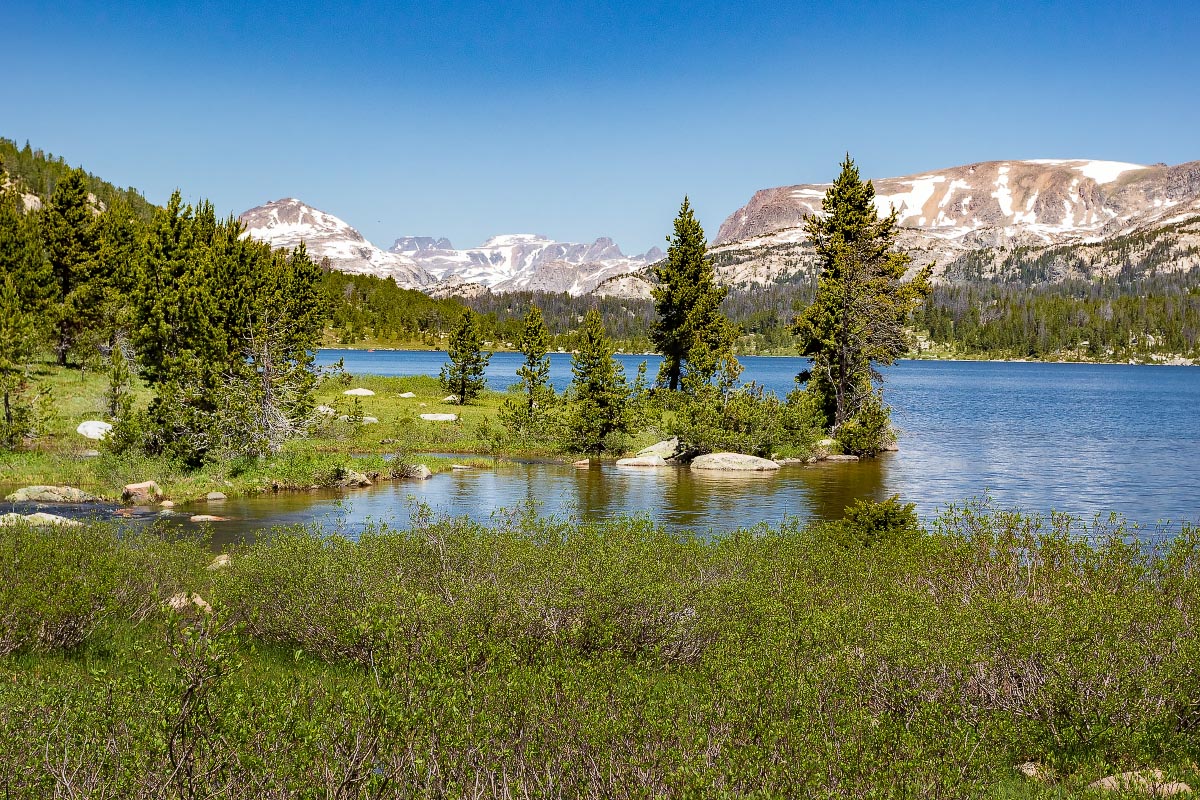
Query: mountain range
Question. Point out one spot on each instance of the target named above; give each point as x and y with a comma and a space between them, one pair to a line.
991, 220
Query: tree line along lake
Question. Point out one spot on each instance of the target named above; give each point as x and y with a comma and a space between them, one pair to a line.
1083, 439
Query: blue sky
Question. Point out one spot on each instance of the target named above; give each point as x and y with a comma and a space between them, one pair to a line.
581, 120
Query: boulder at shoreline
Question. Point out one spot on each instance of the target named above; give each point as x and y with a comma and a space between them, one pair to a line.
51, 494
643, 461
733, 462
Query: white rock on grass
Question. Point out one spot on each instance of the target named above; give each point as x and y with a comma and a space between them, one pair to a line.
440, 417
93, 429
359, 392
370, 421
1147, 781
733, 462
326, 410
184, 601
450, 398
407, 394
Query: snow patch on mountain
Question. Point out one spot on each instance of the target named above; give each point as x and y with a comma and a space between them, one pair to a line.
288, 222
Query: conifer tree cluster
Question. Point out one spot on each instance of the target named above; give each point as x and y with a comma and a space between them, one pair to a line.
527, 413
222, 328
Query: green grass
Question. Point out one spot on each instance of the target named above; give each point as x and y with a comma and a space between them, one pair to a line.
563, 658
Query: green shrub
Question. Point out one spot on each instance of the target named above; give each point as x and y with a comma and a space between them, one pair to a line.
868, 431
867, 523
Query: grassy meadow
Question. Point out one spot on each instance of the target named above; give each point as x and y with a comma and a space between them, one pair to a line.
539, 657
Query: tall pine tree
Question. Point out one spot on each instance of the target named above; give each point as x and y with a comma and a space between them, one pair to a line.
463, 376
70, 235
862, 304
601, 409
691, 333
525, 414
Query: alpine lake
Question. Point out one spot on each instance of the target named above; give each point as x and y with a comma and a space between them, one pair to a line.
1084, 439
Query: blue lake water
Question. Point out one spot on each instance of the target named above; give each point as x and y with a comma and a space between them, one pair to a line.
1085, 439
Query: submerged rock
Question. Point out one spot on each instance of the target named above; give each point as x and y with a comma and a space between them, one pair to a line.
733, 462
51, 494
207, 518
840, 457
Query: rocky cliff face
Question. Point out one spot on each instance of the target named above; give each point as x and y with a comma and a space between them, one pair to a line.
288, 222
970, 219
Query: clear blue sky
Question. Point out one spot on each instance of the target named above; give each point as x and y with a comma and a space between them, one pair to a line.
465, 119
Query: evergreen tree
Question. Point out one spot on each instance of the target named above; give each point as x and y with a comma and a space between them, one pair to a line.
16, 348
691, 333
69, 233
599, 395
118, 396
463, 376
525, 414
862, 304
21, 256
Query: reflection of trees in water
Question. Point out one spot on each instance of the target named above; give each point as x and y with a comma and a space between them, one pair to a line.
830, 487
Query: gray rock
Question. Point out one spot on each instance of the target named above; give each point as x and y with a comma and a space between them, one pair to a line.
407, 394
439, 417
220, 562
141, 493
642, 461
733, 462
450, 398
839, 457
359, 392
788, 462
214, 497
354, 479
51, 494
664, 450
207, 518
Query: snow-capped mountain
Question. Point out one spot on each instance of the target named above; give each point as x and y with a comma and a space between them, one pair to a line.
285, 223
515, 262
525, 262
978, 211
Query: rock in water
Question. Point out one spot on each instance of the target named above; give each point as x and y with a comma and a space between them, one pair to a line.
51, 494
207, 518
733, 462
359, 392
840, 457
214, 497
141, 493
642, 461
93, 429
